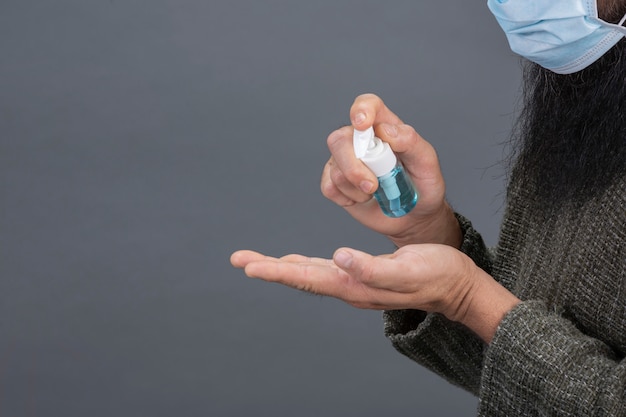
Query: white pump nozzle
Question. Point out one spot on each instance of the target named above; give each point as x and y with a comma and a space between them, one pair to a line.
362, 141
375, 153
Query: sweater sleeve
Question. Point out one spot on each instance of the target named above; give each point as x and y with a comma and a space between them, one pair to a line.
447, 348
540, 364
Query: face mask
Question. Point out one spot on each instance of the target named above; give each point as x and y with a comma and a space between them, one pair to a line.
564, 36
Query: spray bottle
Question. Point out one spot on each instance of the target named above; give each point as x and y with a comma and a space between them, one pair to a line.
396, 193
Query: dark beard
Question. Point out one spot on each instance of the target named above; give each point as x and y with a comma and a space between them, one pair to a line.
571, 136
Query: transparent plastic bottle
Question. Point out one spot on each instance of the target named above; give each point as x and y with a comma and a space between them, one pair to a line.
396, 194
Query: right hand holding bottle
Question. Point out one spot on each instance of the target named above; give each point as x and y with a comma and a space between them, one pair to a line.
349, 183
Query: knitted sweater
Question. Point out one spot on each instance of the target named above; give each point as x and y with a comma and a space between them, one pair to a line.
561, 351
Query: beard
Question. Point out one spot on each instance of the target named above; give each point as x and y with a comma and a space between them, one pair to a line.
570, 140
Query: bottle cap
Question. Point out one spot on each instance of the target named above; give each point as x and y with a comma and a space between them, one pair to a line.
374, 153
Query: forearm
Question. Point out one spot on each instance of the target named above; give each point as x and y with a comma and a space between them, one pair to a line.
448, 348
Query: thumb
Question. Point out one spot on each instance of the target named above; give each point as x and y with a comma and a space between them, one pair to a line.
373, 271
356, 263
417, 154
344, 258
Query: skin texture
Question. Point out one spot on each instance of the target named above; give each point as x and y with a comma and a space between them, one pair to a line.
349, 183
435, 278
427, 272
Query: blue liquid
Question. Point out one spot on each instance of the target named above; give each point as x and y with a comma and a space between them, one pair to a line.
396, 193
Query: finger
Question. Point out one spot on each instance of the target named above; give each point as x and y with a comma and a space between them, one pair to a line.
368, 110
378, 272
371, 213
416, 153
331, 191
241, 258
355, 172
295, 258
316, 277
346, 188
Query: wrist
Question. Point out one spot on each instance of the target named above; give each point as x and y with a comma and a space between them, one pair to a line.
442, 227
484, 304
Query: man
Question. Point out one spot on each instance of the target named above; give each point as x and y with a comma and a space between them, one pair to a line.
536, 326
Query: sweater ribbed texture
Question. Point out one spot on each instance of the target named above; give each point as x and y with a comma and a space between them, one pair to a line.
561, 351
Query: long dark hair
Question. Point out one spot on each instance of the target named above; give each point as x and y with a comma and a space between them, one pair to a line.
570, 140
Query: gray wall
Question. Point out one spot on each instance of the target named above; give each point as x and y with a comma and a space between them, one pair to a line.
143, 141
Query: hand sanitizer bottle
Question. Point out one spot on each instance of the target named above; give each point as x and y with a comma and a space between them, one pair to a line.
396, 193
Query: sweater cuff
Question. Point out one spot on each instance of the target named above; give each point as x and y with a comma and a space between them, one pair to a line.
445, 347
473, 245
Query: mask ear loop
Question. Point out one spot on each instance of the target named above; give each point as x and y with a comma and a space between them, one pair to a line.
620, 26
617, 26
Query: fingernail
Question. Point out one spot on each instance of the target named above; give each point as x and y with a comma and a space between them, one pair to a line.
343, 259
366, 186
359, 118
391, 130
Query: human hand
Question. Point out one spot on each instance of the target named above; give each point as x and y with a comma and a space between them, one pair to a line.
349, 183
429, 277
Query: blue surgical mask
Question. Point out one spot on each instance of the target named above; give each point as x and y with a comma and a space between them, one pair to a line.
564, 36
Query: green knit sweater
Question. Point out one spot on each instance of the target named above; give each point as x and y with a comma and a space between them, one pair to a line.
561, 351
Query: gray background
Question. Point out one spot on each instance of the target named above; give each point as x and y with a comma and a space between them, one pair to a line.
144, 141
